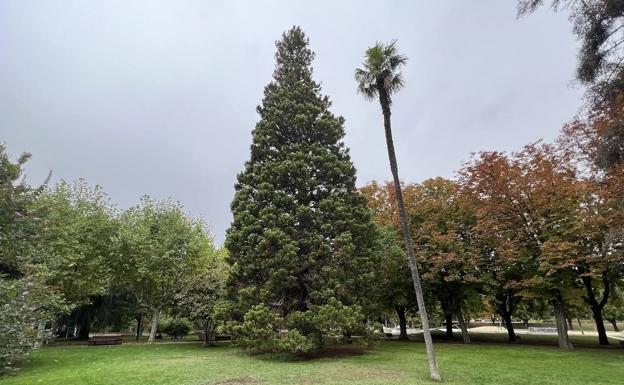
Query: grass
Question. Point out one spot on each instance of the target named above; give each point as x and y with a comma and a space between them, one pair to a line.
390, 363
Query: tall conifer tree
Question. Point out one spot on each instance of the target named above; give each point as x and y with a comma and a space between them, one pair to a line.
302, 240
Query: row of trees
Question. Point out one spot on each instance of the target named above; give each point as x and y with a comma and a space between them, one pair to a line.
516, 233
71, 261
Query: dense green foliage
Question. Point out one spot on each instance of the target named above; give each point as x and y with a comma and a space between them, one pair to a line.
70, 262
176, 327
25, 300
302, 240
203, 298
78, 251
24, 303
161, 249
19, 222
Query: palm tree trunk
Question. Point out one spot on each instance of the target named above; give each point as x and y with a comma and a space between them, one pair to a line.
384, 100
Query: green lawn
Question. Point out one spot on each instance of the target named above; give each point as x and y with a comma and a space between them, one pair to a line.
389, 363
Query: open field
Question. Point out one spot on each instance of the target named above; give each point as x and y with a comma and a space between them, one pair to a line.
389, 363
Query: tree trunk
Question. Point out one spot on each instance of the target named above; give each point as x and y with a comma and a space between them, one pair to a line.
154, 329
448, 321
570, 324
40, 334
505, 304
600, 328
580, 326
614, 323
596, 306
511, 334
139, 328
400, 310
85, 326
562, 323
206, 333
384, 100
462, 325
52, 336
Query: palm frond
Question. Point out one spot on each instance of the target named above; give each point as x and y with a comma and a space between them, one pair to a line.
396, 83
382, 63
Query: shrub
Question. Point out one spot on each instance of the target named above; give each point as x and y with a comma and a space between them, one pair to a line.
263, 330
24, 303
176, 328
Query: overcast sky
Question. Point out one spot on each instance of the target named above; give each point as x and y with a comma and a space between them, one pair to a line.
158, 97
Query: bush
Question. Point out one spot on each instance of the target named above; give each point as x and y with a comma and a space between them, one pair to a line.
176, 328
263, 330
24, 303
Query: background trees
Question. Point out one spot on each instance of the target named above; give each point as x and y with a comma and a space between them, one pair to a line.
534, 233
442, 223
394, 282
76, 246
203, 298
26, 302
160, 249
19, 220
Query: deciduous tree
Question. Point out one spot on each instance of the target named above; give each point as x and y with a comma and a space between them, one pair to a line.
160, 248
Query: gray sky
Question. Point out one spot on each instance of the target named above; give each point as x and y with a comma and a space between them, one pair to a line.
158, 97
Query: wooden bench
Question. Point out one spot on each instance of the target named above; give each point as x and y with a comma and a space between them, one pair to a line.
105, 340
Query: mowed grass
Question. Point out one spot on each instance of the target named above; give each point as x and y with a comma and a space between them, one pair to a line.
389, 363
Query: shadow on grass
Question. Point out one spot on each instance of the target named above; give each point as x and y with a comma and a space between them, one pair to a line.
338, 351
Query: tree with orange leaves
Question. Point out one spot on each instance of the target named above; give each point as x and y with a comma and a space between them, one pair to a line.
439, 224
526, 209
599, 241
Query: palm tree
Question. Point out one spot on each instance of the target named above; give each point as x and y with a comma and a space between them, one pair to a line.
380, 77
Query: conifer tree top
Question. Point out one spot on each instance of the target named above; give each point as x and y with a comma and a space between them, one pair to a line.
293, 57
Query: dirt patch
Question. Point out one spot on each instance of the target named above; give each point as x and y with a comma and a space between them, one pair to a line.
238, 381
347, 375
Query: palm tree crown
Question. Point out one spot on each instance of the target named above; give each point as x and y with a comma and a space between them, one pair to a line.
380, 69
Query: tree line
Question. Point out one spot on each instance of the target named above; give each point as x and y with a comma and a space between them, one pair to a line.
72, 261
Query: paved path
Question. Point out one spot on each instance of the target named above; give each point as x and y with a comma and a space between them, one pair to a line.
502, 330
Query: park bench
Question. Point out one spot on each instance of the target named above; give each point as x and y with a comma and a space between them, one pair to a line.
105, 340
542, 330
